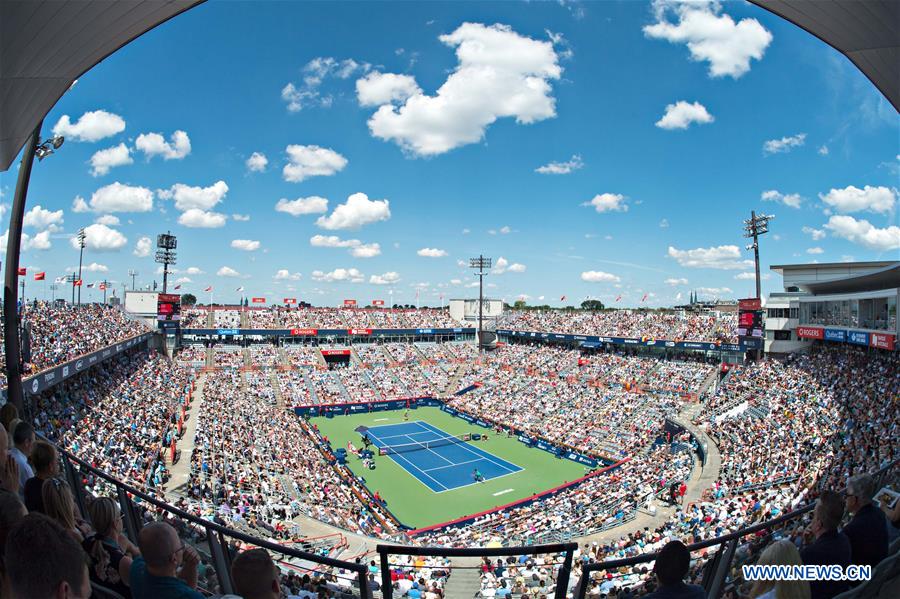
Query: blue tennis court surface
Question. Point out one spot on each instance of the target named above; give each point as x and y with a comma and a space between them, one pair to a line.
441, 468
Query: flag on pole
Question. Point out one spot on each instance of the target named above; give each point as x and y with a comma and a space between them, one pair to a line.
90, 285
618, 297
643, 299
59, 280
102, 286
76, 283
177, 287
562, 299
39, 276
208, 288
240, 289
23, 272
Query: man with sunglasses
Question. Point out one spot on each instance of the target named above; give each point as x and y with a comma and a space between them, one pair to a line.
166, 568
867, 530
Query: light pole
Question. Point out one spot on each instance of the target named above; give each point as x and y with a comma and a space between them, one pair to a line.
753, 228
131, 273
12, 348
165, 255
53, 288
103, 285
81, 237
71, 280
481, 264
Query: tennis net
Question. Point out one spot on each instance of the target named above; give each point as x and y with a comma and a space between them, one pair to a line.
420, 445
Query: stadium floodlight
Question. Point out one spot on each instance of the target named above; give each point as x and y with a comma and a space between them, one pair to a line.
481, 264
81, 237
45, 148
756, 225
165, 255
132, 273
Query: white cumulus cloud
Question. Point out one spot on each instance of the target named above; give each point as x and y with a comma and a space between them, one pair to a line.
154, 144
792, 200
202, 219
377, 88
499, 74
227, 271
103, 160
366, 250
101, 238
286, 275
502, 265
681, 114
674, 282
202, 198
815, 250
142, 247
431, 253
339, 275
257, 162
598, 276
109, 220
358, 211
853, 199
723, 257
41, 218
785, 144
864, 233
310, 205
750, 276
816, 234
311, 161
117, 197
246, 245
608, 202
711, 35
561, 168
92, 126
388, 278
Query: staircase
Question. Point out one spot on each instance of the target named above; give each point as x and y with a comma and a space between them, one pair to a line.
210, 357
463, 583
247, 359
273, 380
245, 319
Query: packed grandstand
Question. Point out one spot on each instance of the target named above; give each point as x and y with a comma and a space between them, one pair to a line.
236, 417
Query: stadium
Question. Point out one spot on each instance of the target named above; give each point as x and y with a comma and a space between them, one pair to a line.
241, 434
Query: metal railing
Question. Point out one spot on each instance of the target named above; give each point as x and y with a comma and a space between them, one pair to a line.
716, 569
562, 575
217, 537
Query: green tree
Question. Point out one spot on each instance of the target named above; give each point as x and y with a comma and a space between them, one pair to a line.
592, 304
188, 299
519, 305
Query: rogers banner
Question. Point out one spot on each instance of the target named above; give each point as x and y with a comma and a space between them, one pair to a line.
349, 303
306, 332
810, 333
377, 302
259, 300
881, 341
751, 304
360, 331
290, 300
335, 352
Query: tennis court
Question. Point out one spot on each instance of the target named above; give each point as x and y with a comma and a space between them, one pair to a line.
440, 461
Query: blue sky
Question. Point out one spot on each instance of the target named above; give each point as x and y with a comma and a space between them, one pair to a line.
607, 149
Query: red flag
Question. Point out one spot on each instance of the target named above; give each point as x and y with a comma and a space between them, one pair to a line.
76, 283
618, 297
102, 286
39, 276
208, 288
23, 272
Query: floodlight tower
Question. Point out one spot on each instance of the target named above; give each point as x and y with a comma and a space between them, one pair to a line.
80, 237
165, 255
755, 226
132, 273
481, 264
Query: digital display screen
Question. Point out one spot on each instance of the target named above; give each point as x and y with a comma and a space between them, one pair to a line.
168, 307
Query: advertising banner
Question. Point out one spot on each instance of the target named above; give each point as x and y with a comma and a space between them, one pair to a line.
290, 300
259, 300
304, 332
359, 331
349, 303
881, 341
835, 335
810, 333
858, 337
377, 302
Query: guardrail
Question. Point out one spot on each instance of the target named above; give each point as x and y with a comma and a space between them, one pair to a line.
217, 536
718, 566
562, 576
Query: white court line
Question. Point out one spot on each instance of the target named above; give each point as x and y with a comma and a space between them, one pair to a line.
380, 419
503, 492
393, 455
484, 456
452, 465
480, 482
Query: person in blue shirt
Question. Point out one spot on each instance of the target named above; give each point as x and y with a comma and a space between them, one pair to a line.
502, 591
477, 476
414, 592
153, 573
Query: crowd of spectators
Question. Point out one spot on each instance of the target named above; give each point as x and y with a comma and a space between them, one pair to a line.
226, 356
635, 324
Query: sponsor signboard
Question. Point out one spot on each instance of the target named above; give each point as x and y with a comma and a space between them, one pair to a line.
305, 332
835, 335
424, 331
810, 333
290, 300
377, 302
858, 337
336, 352
752, 303
881, 341
228, 331
359, 331
259, 300
349, 303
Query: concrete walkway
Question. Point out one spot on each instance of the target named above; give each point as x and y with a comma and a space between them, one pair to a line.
180, 472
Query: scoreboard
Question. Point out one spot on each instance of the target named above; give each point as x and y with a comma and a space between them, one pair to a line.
168, 307
750, 318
